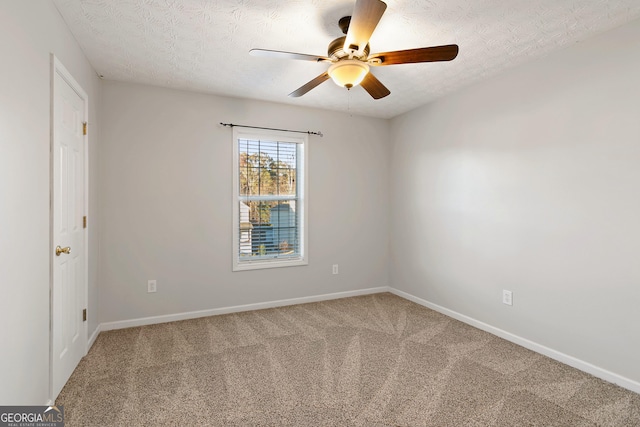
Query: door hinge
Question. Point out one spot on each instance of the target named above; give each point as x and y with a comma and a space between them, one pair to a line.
84, 128
84, 315
84, 222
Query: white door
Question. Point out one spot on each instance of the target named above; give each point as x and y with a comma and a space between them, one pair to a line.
69, 276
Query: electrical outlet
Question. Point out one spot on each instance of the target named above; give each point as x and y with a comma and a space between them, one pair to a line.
335, 268
507, 297
151, 286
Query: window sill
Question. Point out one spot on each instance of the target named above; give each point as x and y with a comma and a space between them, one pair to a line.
260, 265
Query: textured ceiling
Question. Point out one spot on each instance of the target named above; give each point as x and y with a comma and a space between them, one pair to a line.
203, 45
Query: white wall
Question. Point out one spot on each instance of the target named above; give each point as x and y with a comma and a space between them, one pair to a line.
166, 203
530, 181
28, 34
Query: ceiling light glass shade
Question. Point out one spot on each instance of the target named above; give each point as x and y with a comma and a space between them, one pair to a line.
348, 72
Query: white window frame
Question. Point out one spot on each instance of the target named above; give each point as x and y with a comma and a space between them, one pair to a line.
301, 204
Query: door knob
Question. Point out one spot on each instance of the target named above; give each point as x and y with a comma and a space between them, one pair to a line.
60, 250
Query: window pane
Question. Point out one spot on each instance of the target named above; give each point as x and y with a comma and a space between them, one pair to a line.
267, 168
268, 229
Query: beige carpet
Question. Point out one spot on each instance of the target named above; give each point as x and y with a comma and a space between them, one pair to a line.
376, 360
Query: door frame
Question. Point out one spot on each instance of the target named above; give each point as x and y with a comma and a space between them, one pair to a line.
59, 69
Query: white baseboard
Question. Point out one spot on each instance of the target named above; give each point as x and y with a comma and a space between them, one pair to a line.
93, 337
538, 348
121, 324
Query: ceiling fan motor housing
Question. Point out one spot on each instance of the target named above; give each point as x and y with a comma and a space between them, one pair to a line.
336, 50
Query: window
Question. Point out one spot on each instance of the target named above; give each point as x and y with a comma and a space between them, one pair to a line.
270, 205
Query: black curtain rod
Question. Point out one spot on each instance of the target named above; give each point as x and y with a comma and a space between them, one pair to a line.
282, 130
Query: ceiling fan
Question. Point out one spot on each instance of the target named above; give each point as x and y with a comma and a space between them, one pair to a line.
349, 55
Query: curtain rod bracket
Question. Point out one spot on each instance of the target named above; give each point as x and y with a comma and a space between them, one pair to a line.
309, 132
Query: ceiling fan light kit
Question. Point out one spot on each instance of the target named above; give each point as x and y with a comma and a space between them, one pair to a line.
349, 55
348, 72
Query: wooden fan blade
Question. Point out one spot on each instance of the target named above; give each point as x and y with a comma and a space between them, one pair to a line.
375, 88
287, 55
365, 18
411, 56
310, 85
